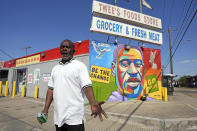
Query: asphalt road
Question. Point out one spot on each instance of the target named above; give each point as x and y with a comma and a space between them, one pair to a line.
187, 91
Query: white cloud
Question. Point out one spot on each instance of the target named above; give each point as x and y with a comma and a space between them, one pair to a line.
188, 61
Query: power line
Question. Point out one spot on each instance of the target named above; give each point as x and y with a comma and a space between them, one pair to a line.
171, 11
181, 16
183, 36
181, 28
6, 54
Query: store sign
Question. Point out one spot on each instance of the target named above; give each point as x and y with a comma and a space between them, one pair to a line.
28, 60
1, 64
116, 13
124, 30
46, 77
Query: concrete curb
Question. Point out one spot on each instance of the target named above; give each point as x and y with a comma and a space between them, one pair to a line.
153, 123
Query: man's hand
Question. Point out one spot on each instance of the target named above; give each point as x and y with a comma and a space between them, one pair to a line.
46, 115
97, 110
49, 99
95, 106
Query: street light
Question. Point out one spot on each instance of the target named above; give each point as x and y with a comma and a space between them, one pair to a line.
26, 48
188, 40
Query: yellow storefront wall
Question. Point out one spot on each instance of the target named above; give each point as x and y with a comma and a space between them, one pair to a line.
28, 60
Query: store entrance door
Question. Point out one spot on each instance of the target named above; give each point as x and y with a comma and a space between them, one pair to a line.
21, 79
3, 76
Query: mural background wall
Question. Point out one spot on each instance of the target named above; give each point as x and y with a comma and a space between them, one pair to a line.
105, 79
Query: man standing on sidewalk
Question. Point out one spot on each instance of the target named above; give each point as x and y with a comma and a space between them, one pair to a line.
69, 79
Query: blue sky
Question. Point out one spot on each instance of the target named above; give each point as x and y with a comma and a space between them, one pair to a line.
43, 24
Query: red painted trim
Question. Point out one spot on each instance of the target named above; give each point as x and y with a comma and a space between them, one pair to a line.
80, 48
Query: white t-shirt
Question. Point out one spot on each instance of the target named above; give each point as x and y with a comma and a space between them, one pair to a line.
68, 81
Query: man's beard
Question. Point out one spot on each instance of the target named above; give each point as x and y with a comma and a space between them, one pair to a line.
67, 58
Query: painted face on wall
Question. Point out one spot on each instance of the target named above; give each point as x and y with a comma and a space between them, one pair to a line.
129, 70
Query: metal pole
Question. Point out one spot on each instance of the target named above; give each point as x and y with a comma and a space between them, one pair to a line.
26, 48
116, 41
140, 6
163, 70
141, 12
26, 52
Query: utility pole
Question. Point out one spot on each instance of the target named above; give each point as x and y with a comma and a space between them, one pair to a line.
170, 45
171, 89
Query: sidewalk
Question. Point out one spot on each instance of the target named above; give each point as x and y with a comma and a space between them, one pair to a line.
178, 114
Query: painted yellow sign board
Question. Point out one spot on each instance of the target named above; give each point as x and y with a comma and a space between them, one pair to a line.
28, 60
100, 74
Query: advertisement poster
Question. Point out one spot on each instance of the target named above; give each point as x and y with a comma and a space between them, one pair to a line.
30, 78
46, 77
36, 75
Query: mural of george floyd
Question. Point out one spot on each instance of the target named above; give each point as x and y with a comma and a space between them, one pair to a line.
124, 72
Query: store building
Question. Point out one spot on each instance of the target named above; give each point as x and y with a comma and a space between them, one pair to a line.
34, 70
138, 74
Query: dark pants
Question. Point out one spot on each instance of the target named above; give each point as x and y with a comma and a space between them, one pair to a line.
66, 127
